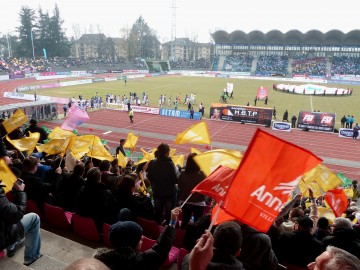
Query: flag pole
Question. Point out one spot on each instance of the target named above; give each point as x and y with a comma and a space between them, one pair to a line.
182, 205
215, 216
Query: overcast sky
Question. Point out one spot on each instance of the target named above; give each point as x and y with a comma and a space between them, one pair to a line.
194, 18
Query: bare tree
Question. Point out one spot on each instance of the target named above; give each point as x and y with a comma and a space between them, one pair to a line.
77, 35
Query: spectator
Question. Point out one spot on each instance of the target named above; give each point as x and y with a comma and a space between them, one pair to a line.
227, 245
322, 229
299, 247
15, 225
108, 178
343, 237
35, 128
334, 259
138, 204
95, 200
120, 148
125, 237
163, 179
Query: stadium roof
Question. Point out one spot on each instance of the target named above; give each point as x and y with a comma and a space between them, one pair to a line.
292, 37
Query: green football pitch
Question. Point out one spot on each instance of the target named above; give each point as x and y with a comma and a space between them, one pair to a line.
208, 91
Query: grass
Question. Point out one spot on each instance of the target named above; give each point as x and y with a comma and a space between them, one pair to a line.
208, 91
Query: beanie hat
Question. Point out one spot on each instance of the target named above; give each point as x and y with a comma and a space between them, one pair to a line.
125, 234
305, 222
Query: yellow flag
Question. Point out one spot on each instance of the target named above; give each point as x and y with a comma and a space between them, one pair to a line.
178, 160
6, 175
131, 141
122, 160
194, 150
172, 152
349, 192
26, 144
304, 188
54, 146
210, 160
99, 152
15, 121
323, 176
60, 133
197, 134
148, 155
81, 145
326, 212
232, 152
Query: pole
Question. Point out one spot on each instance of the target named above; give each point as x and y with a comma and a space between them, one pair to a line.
8, 44
32, 43
215, 216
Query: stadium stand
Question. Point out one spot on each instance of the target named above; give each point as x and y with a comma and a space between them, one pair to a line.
309, 65
240, 63
273, 63
345, 65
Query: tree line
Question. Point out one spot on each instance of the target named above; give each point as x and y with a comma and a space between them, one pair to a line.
44, 33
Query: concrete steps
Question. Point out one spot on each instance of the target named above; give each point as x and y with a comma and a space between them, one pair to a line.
58, 252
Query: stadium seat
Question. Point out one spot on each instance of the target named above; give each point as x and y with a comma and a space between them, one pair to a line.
182, 253
106, 239
150, 228
147, 243
57, 217
31, 207
85, 227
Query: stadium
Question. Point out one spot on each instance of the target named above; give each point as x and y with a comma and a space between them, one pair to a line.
312, 76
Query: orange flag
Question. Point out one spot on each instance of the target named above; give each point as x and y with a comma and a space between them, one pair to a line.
216, 184
268, 173
337, 200
222, 215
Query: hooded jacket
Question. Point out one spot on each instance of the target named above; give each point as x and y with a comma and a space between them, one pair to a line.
346, 239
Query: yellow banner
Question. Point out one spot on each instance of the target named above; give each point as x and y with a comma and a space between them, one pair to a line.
26, 144
99, 152
323, 176
131, 141
15, 121
122, 160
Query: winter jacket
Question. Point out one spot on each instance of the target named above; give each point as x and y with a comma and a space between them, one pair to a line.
346, 239
11, 229
187, 181
256, 251
299, 248
162, 175
96, 201
129, 259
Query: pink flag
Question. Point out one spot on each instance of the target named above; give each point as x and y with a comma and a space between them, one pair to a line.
77, 117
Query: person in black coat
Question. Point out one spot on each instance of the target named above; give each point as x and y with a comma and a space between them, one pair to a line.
286, 116
125, 237
35, 128
70, 187
139, 205
96, 201
299, 247
343, 237
108, 178
163, 179
15, 225
120, 148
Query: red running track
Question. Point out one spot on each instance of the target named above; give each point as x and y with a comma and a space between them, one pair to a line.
326, 145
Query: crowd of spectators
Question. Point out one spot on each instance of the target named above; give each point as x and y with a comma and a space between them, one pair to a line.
305, 64
200, 63
108, 193
240, 63
345, 65
273, 64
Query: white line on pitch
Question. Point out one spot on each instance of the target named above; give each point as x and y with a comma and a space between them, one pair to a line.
107, 132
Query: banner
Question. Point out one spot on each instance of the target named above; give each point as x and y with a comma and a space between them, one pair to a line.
316, 121
143, 109
216, 184
267, 175
262, 92
179, 113
346, 133
245, 114
6, 176
197, 134
17, 119
281, 126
